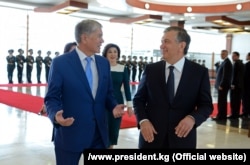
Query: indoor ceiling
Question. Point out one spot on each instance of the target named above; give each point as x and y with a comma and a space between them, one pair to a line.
197, 14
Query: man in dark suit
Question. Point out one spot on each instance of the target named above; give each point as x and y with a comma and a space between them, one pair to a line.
223, 85
246, 91
236, 86
172, 124
76, 107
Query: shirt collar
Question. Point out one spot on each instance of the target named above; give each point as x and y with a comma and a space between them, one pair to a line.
82, 55
178, 65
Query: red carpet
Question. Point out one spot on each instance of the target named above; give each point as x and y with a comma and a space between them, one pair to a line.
215, 111
21, 85
33, 104
22, 101
128, 122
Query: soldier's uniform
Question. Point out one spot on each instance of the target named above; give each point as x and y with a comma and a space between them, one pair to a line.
129, 66
29, 65
20, 60
134, 68
140, 67
47, 61
39, 62
11, 65
123, 60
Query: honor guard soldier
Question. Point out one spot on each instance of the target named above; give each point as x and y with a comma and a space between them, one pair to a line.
134, 68
10, 65
20, 60
47, 62
29, 65
39, 64
141, 66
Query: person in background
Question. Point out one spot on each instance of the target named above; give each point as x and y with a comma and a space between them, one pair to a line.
167, 123
246, 91
29, 65
134, 65
123, 60
223, 85
120, 79
20, 60
76, 102
141, 66
47, 62
57, 54
217, 65
11, 65
69, 47
39, 63
236, 86
129, 66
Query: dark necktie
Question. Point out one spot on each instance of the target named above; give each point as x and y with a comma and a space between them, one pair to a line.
89, 72
170, 84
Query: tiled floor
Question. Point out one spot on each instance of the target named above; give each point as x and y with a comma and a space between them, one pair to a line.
25, 138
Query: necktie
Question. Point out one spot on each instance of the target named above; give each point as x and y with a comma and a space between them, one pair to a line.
89, 72
170, 84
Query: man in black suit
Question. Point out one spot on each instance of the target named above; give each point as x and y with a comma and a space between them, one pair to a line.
246, 91
223, 84
172, 124
236, 86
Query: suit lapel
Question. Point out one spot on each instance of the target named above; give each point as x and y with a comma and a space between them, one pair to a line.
78, 69
183, 80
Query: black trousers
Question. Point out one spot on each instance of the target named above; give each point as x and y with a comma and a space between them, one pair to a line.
235, 101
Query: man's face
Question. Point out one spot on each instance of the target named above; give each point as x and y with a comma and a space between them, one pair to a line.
93, 41
170, 47
224, 54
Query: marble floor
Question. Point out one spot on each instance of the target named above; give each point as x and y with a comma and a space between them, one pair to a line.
25, 138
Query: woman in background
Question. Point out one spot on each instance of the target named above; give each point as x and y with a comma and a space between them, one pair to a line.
120, 79
69, 47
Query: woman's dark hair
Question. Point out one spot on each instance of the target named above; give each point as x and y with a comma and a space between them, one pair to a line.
107, 47
68, 46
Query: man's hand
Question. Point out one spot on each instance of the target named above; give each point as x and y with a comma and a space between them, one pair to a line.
184, 127
130, 111
147, 131
118, 111
62, 121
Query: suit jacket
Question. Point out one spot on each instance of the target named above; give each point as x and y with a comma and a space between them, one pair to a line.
68, 90
238, 74
247, 79
193, 97
224, 74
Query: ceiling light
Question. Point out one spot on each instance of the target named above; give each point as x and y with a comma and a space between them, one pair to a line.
238, 6
189, 9
147, 6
